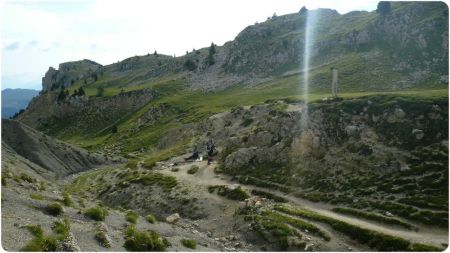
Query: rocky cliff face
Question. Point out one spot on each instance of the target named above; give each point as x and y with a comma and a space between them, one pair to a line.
82, 114
68, 73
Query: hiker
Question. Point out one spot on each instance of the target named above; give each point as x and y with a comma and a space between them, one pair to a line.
194, 156
210, 150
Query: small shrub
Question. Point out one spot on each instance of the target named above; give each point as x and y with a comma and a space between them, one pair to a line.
151, 218
136, 240
41, 244
174, 169
236, 194
62, 228
131, 217
132, 164
188, 243
27, 178
54, 209
42, 186
97, 213
193, 170
36, 230
67, 200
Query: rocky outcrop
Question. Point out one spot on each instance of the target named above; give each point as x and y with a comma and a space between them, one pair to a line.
68, 73
82, 114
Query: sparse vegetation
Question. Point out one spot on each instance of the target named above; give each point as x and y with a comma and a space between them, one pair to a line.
193, 169
97, 213
136, 240
150, 218
234, 193
132, 217
67, 200
42, 242
372, 238
269, 195
189, 243
54, 209
37, 196
372, 216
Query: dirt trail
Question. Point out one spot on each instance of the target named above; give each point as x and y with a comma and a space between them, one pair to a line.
206, 176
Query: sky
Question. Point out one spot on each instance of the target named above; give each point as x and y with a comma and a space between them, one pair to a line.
38, 34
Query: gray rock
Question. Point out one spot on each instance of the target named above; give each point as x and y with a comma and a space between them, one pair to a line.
69, 244
172, 219
419, 134
399, 113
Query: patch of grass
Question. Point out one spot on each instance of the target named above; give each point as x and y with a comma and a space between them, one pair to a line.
132, 217
54, 209
236, 193
42, 242
36, 230
150, 218
193, 169
37, 196
297, 223
27, 178
136, 240
269, 195
372, 238
373, 216
189, 243
62, 228
67, 200
132, 164
151, 178
97, 213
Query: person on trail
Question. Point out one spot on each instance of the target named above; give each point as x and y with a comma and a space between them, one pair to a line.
210, 150
194, 156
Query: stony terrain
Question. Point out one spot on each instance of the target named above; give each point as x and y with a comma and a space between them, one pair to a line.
98, 161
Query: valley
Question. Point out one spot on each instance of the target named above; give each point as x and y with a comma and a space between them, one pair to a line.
98, 161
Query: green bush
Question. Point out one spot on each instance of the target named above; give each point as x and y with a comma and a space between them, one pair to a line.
36, 230
193, 170
151, 218
236, 194
188, 243
136, 240
27, 178
62, 228
41, 244
54, 209
96, 213
131, 217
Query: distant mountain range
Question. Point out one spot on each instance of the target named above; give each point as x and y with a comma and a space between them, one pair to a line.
13, 100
